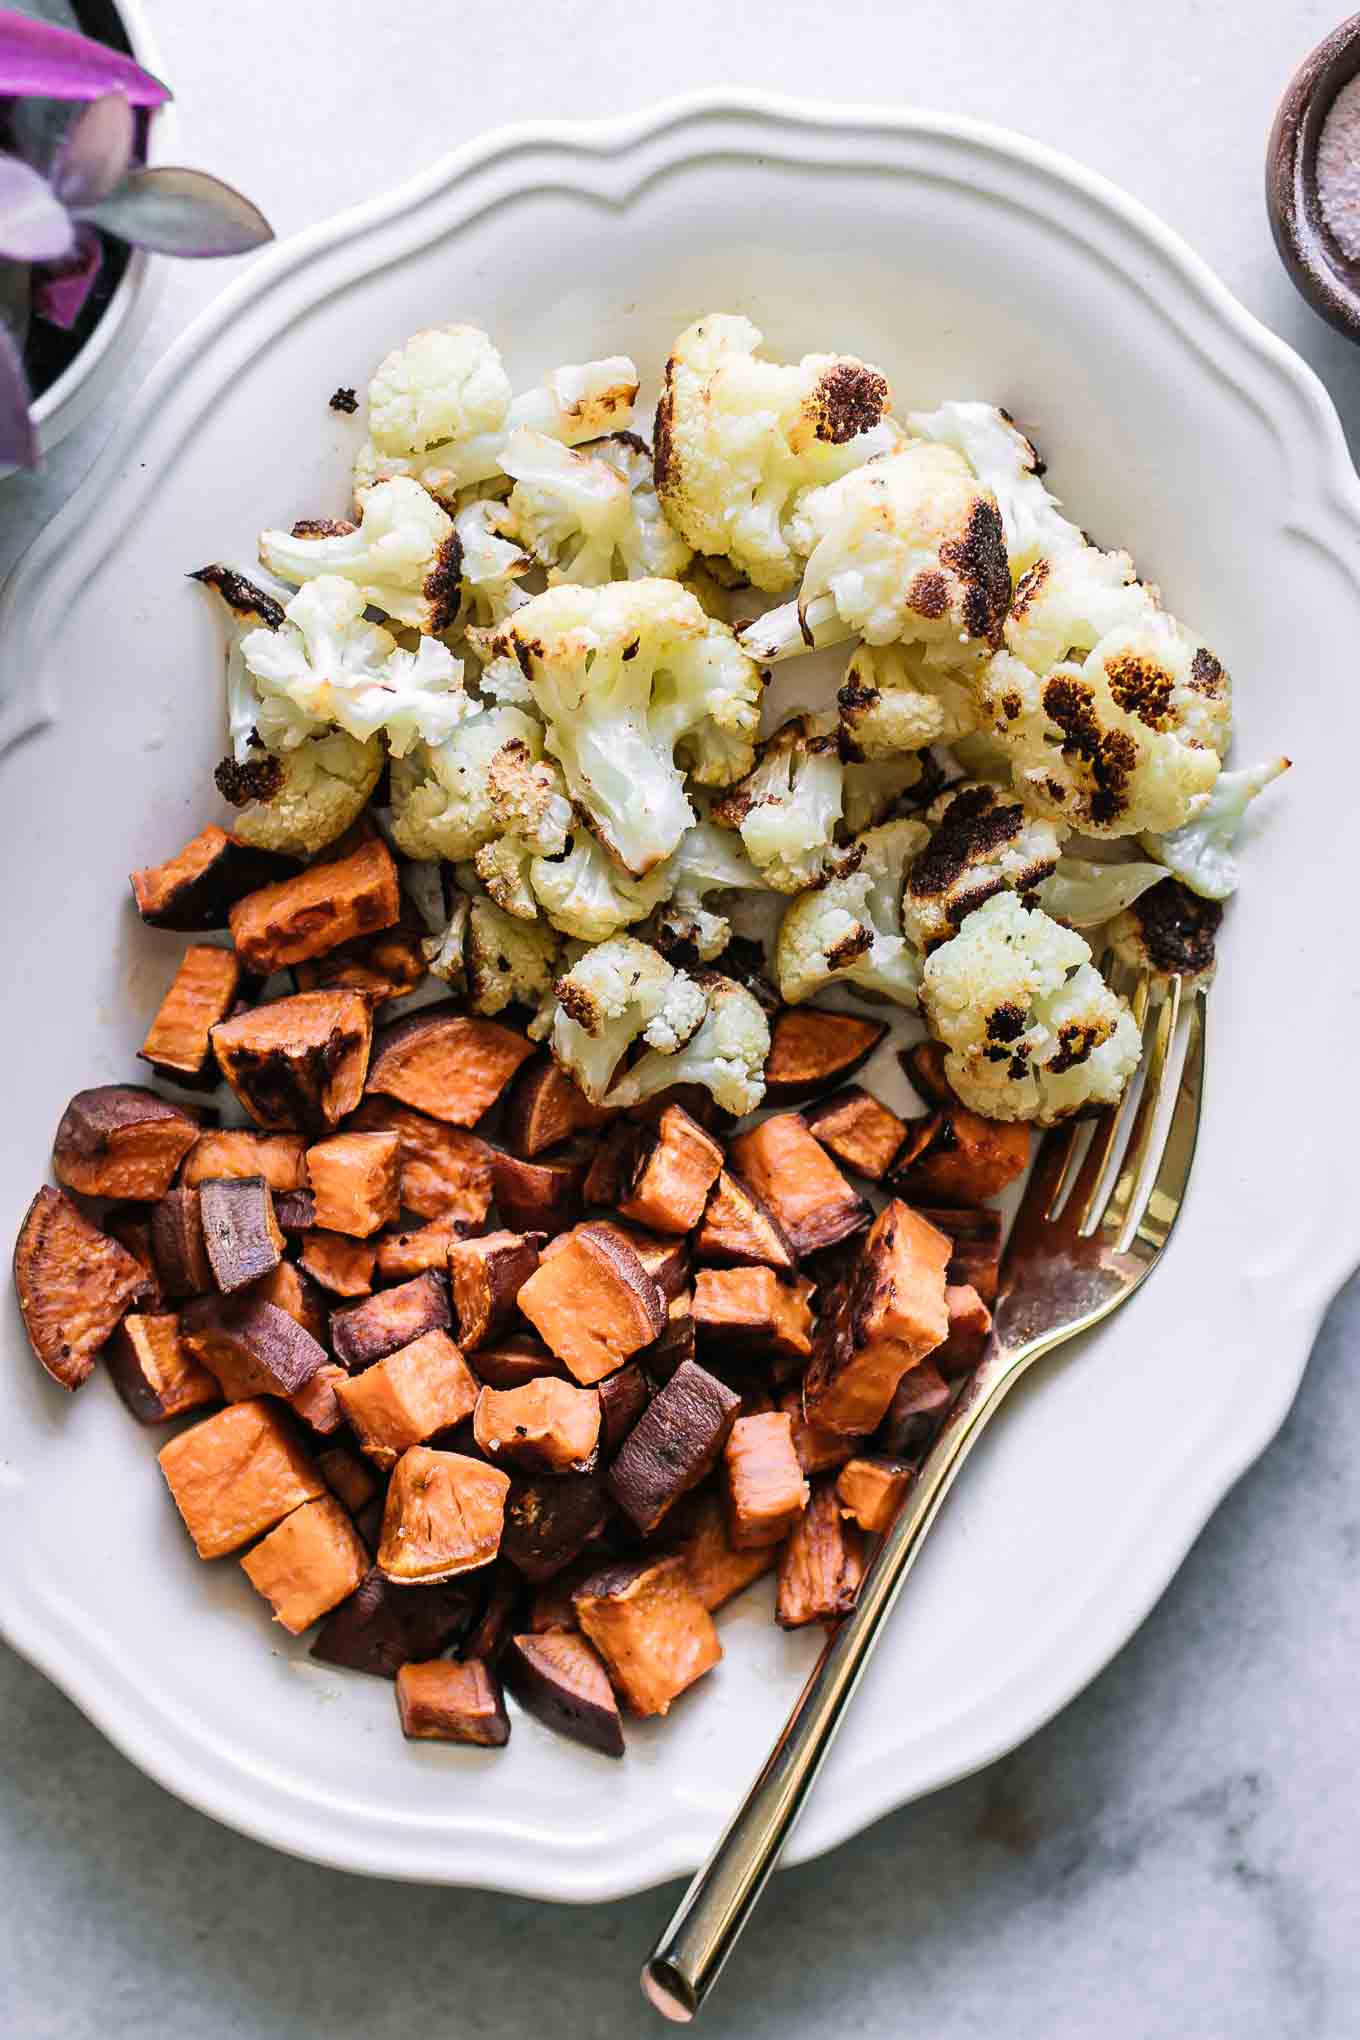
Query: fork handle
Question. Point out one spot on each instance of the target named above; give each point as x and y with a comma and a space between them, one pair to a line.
710, 1917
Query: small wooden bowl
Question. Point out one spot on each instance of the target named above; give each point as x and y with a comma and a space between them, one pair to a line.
1319, 266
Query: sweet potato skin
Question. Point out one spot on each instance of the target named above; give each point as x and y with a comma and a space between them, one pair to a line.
311, 1562
369, 1331
544, 1107
119, 1140
821, 1563
251, 1347
889, 1315
538, 1196
967, 1160
240, 1234
382, 1627
152, 1372
195, 889
443, 1702
559, 1679
74, 1285
486, 1275
549, 1519
448, 1064
320, 908
739, 1230
201, 993
674, 1444
236, 1474
177, 1242
651, 1629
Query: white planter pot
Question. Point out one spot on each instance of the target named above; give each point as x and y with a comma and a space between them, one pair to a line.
69, 400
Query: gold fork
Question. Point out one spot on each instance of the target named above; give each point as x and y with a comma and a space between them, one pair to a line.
1080, 1246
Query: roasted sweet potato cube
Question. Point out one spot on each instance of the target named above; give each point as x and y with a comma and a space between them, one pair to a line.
356, 1181
797, 1179
314, 1560
745, 1310
347, 1476
812, 1049
738, 1229
611, 1165
650, 1627
486, 1275
675, 1442
119, 1140
559, 1679
818, 1451
382, 1627
178, 1245
967, 1160
299, 1062
872, 1490
73, 1285
443, 1516
320, 908
544, 1107
447, 1063
295, 1210
665, 1257
500, 1614
369, 1331
924, 1065
549, 1519
593, 1303
622, 1397
889, 1315
859, 1132
443, 1702
552, 1606
152, 1372
400, 1255
541, 1197
130, 1225
384, 966
338, 1264
195, 889
975, 1242
676, 1167
281, 1158
676, 1344
717, 1569
237, 1474
547, 1426
509, 1363
252, 1347
240, 1233
291, 1289
408, 1397
821, 1563
766, 1489
916, 1411
201, 993
444, 1173
317, 1403
969, 1323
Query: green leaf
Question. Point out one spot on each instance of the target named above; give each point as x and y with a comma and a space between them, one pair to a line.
180, 212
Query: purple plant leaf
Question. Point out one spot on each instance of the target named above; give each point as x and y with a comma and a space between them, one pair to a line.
39, 60
18, 440
93, 160
34, 225
181, 212
59, 293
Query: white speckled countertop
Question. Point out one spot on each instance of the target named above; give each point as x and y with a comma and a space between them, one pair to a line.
1175, 1857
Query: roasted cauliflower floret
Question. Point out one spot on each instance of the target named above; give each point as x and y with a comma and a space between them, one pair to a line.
589, 513
301, 800
1082, 893
894, 698
404, 557
738, 438
849, 930
494, 958
571, 404
614, 993
445, 798
1169, 931
635, 684
585, 894
726, 1054
447, 382
1200, 852
491, 565
906, 550
1008, 464
788, 806
1030, 1028
325, 666
981, 842
708, 860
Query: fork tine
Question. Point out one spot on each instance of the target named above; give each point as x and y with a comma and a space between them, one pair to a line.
1086, 1191
1121, 1213
1168, 1187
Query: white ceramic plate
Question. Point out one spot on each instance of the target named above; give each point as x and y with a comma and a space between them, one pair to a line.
966, 261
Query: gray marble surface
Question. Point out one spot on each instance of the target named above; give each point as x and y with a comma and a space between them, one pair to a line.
1175, 1857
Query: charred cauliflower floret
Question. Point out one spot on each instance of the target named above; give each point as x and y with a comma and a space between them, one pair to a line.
404, 556
491, 565
708, 860
446, 799
611, 995
585, 894
1030, 1028
453, 377
737, 439
849, 930
636, 684
590, 513
906, 550
326, 666
981, 842
1169, 932
726, 1053
895, 698
1004, 459
1200, 852
492, 957
303, 799
788, 806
